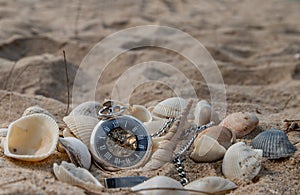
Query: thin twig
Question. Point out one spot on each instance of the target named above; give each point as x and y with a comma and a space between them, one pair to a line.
10, 182
9, 75
68, 83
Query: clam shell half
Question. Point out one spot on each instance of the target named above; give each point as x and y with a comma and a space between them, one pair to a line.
169, 108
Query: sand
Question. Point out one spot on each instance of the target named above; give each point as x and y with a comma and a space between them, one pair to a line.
253, 43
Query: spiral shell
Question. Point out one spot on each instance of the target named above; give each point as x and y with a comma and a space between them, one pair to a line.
211, 184
207, 149
204, 113
69, 173
160, 185
81, 126
242, 123
90, 108
241, 162
274, 143
31, 138
169, 108
224, 136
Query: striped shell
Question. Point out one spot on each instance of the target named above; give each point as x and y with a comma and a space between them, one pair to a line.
242, 123
211, 184
90, 108
31, 138
274, 143
78, 152
169, 108
153, 185
207, 149
35, 110
241, 162
81, 126
204, 113
69, 173
224, 136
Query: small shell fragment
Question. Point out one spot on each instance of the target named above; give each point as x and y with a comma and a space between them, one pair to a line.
69, 173
241, 162
207, 149
153, 185
141, 112
204, 113
211, 184
31, 138
274, 143
242, 123
77, 151
169, 108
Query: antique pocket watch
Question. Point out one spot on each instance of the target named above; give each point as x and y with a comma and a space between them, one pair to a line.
119, 141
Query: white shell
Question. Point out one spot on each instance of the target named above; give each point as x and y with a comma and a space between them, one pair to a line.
241, 162
81, 126
171, 107
69, 173
77, 151
141, 112
155, 125
211, 184
204, 113
31, 138
90, 108
35, 110
159, 182
207, 149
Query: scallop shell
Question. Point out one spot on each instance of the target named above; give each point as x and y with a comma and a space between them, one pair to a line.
211, 184
69, 173
36, 109
81, 126
204, 113
169, 108
141, 112
90, 108
31, 138
78, 152
241, 162
224, 136
242, 123
207, 149
153, 185
274, 143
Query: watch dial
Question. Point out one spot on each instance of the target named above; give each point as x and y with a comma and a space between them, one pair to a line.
121, 142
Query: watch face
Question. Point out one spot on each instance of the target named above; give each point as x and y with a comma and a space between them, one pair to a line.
121, 142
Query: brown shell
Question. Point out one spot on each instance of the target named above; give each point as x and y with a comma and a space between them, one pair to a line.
242, 123
223, 135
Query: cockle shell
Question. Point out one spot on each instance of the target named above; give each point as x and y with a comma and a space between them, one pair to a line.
170, 108
224, 136
81, 126
90, 108
241, 123
204, 113
209, 185
77, 151
160, 185
207, 149
69, 173
141, 112
31, 138
241, 162
37, 109
274, 143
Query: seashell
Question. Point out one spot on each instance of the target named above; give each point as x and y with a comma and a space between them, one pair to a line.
78, 152
241, 161
224, 136
171, 107
69, 173
204, 113
141, 112
81, 126
207, 149
155, 125
274, 143
211, 184
31, 138
36, 109
67, 133
160, 185
242, 123
90, 108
